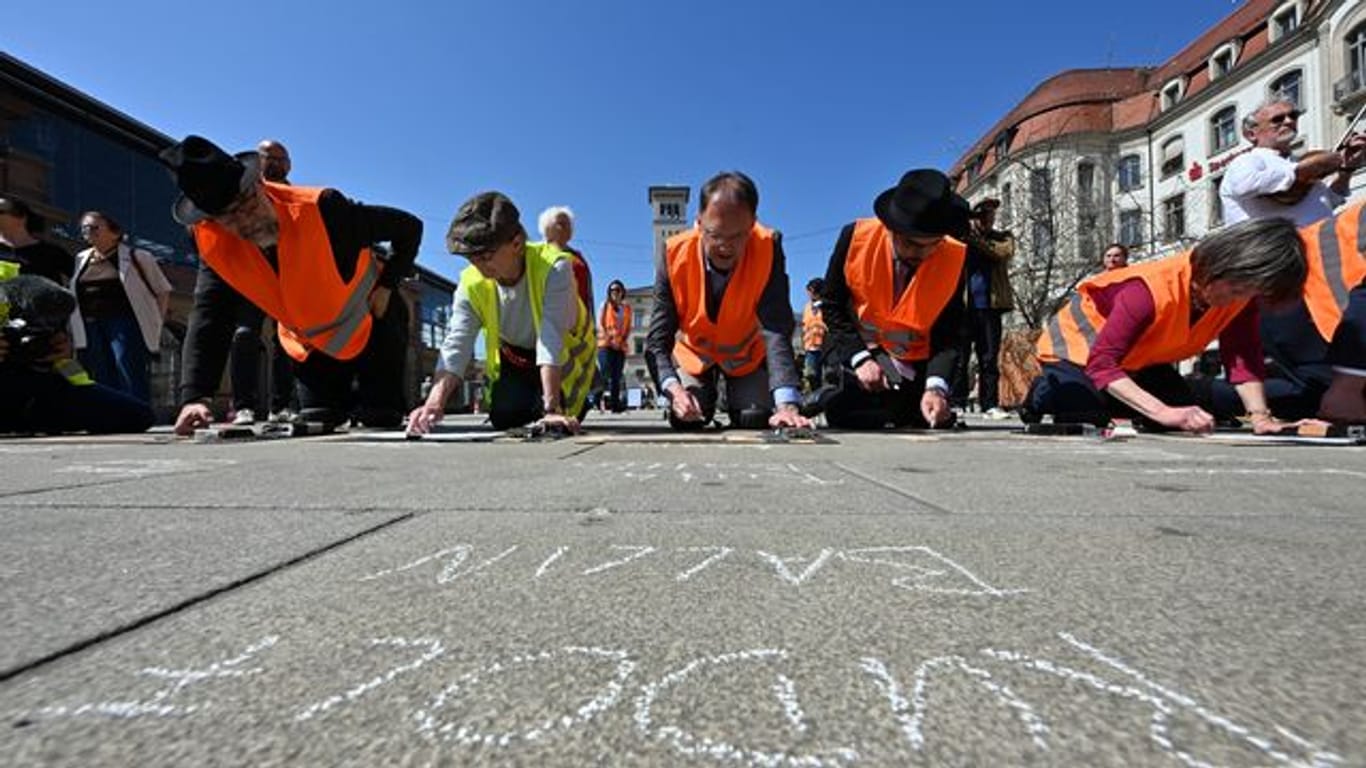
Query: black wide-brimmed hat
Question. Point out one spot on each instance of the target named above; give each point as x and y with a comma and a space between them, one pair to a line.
210, 180
924, 204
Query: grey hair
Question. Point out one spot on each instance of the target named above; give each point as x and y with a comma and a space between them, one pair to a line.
1266, 255
1250, 119
549, 215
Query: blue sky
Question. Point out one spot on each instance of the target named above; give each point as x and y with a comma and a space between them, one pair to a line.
420, 105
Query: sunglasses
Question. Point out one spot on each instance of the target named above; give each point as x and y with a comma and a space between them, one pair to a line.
1288, 117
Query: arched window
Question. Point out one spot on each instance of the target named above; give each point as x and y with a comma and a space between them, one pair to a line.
1356, 56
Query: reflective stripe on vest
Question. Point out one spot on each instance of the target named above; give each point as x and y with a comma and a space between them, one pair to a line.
314, 308
1073, 329
73, 372
901, 325
1334, 251
352, 314
733, 341
614, 335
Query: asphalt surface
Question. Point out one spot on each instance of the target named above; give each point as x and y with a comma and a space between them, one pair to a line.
973, 598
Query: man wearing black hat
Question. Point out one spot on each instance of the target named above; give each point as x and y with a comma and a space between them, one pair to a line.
539, 338
303, 255
989, 298
894, 309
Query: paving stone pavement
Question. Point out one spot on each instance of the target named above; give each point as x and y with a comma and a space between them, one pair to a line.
631, 598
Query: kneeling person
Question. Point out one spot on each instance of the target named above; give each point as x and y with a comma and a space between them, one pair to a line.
721, 312
538, 335
1110, 351
893, 307
304, 257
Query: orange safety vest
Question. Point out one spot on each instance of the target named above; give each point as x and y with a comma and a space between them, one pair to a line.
1170, 337
902, 328
1333, 250
614, 336
813, 328
313, 308
733, 341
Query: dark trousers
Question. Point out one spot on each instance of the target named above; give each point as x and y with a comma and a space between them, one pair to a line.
369, 385
983, 336
244, 366
1065, 391
852, 407
45, 402
116, 355
1299, 372
748, 401
611, 364
1290, 393
515, 396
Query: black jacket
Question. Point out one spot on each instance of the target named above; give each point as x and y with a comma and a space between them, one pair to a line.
842, 339
350, 226
775, 323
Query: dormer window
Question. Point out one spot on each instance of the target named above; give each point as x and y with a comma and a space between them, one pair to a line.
1284, 20
1222, 60
1172, 93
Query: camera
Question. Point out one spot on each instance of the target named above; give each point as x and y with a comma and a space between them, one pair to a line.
33, 311
26, 345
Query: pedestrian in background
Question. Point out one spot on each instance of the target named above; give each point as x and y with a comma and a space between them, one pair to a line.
614, 335
122, 296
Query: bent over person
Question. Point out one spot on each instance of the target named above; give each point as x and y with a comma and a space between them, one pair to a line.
721, 315
303, 255
538, 334
894, 309
1110, 350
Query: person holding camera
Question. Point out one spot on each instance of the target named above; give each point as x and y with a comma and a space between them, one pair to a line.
894, 309
42, 390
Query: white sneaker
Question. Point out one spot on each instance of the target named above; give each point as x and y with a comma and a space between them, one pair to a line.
997, 414
245, 417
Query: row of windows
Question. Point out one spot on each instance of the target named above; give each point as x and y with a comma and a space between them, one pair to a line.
1284, 20
1173, 224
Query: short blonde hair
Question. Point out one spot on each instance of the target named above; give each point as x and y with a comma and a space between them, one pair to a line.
549, 215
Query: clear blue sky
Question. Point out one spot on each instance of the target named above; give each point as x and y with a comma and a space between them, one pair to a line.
420, 105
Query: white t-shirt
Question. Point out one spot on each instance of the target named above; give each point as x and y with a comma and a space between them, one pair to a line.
515, 325
1264, 172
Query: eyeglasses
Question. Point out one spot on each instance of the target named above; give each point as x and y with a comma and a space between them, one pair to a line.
1285, 117
91, 227
482, 257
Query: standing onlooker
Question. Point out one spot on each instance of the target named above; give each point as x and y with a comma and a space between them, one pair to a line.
1116, 256
990, 297
244, 368
122, 296
813, 334
18, 243
1299, 336
614, 336
1267, 182
557, 228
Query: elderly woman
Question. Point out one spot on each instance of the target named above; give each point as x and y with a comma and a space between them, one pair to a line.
1110, 351
557, 228
122, 296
